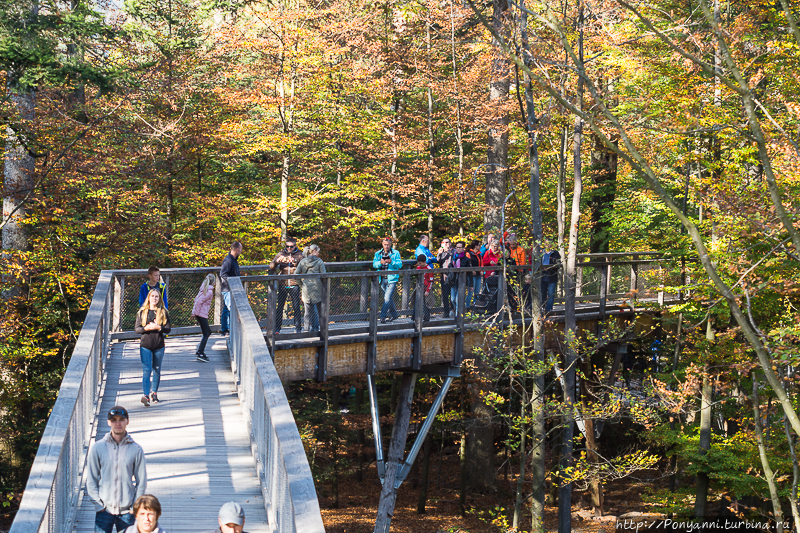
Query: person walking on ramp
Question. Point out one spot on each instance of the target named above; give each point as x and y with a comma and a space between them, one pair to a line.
114, 462
152, 323
147, 511
202, 305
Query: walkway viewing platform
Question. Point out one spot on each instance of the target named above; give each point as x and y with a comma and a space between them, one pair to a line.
224, 430
195, 439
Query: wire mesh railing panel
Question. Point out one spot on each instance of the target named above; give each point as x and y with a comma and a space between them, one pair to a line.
181, 291
51, 495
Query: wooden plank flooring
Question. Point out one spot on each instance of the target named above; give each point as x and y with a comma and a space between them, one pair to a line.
195, 440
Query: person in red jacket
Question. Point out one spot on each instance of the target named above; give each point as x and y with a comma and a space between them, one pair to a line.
493, 256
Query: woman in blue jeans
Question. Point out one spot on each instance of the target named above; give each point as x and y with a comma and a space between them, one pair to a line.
152, 323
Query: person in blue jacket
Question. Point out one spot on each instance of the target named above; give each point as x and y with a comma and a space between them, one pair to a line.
154, 282
387, 258
422, 249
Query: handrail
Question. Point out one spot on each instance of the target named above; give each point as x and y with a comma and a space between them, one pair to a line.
281, 461
51, 495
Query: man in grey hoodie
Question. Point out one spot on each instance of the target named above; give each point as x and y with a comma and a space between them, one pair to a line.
114, 461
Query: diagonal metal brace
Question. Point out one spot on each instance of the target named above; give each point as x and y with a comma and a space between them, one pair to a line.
405, 468
376, 425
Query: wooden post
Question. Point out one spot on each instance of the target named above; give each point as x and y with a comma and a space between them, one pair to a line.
660, 285
119, 295
271, 312
458, 346
603, 289
419, 309
406, 289
635, 280
166, 287
374, 305
501, 289
324, 319
578, 278
397, 446
218, 303
364, 294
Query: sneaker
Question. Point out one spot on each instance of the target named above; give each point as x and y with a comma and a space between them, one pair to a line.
153, 397
146, 401
202, 358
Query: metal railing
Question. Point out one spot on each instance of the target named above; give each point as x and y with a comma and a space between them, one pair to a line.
51, 495
281, 461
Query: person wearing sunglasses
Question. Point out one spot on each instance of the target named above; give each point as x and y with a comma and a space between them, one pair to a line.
114, 462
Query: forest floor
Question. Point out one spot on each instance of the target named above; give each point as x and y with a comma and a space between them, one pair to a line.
358, 503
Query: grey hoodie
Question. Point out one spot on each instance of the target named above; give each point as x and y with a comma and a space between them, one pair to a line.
111, 467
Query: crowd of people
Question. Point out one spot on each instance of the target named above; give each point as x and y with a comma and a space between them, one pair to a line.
304, 295
121, 499
117, 485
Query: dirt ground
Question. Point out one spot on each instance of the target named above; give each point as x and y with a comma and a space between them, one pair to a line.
358, 504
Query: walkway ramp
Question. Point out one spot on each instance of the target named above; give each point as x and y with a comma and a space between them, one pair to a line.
195, 439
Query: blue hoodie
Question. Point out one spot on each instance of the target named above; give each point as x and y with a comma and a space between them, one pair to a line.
423, 250
396, 263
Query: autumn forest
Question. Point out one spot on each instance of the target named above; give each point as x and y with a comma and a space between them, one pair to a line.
156, 132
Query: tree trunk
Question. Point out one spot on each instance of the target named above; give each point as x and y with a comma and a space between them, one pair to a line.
18, 173
701, 494
604, 175
523, 456
570, 322
497, 152
459, 133
426, 459
480, 439
769, 475
402, 416
538, 467
462, 452
795, 475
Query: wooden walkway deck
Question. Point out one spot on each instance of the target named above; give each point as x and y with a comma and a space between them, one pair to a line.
195, 440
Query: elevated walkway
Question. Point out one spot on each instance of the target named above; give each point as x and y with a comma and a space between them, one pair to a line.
195, 439
224, 430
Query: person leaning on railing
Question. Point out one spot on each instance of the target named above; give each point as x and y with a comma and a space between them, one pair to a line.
492, 257
387, 258
286, 262
229, 269
311, 287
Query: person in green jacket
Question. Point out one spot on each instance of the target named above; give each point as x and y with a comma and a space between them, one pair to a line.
311, 289
387, 258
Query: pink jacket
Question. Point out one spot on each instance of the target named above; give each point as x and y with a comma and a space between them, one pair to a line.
202, 303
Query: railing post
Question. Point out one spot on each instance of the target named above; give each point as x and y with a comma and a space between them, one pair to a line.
419, 309
119, 294
660, 285
364, 294
458, 346
324, 320
272, 303
218, 303
406, 289
603, 287
635, 281
501, 288
374, 305
578, 278
166, 287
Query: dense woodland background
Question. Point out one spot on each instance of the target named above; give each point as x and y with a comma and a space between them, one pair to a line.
159, 131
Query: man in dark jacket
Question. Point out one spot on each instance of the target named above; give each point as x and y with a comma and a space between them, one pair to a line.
551, 263
285, 262
229, 269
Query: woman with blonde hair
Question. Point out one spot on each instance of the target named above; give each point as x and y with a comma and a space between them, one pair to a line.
152, 323
202, 305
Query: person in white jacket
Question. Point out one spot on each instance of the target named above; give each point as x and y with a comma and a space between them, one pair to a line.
115, 461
